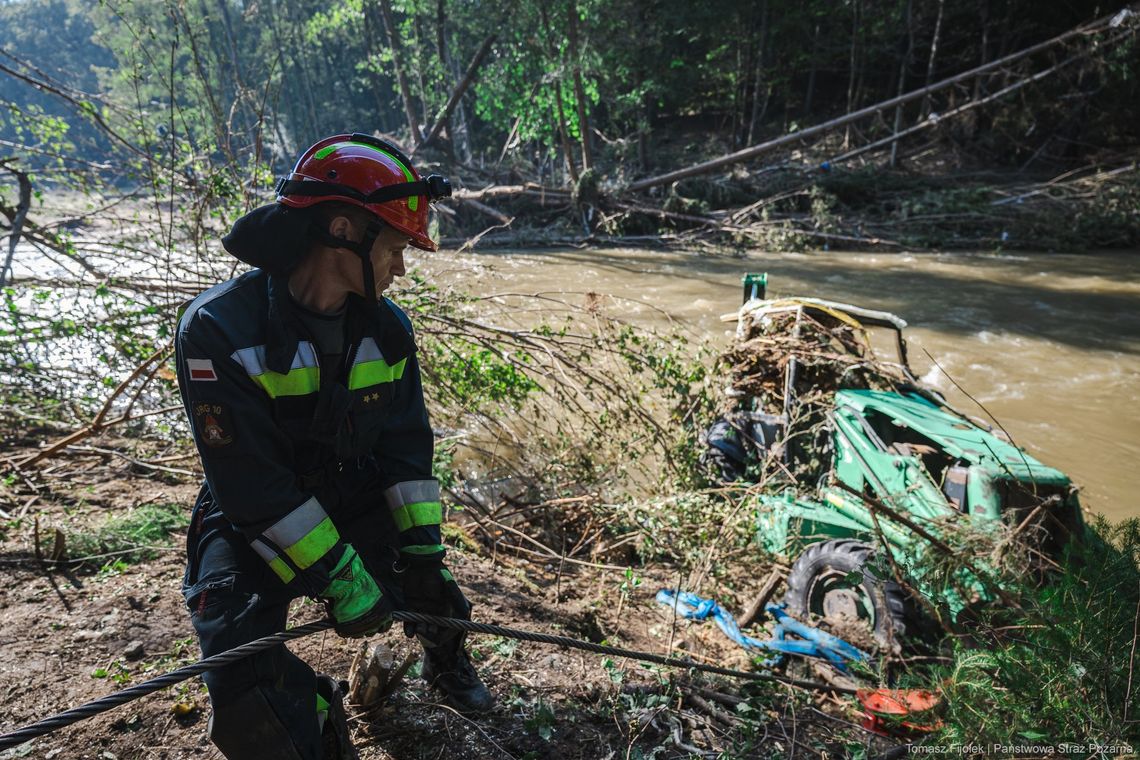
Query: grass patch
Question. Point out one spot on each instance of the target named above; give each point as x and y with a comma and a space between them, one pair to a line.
134, 537
1062, 671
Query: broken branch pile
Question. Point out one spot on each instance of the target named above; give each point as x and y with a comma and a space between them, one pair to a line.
789, 359
818, 350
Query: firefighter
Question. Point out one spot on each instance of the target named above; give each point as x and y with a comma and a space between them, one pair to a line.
302, 389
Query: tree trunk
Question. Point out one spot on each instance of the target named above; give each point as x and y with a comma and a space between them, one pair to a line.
984, 14
445, 62
903, 65
457, 93
397, 63
18, 218
579, 93
239, 85
644, 129
757, 111
556, 88
570, 167
425, 113
370, 47
299, 62
933, 55
297, 103
462, 137
740, 90
811, 75
851, 64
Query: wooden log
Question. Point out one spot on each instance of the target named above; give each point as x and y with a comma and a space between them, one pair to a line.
375, 673
495, 191
756, 609
498, 216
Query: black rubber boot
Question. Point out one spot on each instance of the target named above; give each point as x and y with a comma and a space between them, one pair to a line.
335, 738
452, 673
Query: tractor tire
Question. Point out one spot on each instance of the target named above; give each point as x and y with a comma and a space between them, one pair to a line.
872, 611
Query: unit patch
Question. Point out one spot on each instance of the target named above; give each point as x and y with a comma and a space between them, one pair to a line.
212, 424
201, 369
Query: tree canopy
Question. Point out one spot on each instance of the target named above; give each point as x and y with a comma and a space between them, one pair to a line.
254, 82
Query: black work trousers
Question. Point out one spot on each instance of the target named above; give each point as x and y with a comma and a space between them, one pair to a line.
264, 706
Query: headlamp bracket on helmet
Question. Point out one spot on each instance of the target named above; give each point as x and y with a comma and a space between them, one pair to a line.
434, 186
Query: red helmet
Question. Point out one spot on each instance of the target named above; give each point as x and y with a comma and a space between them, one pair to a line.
366, 172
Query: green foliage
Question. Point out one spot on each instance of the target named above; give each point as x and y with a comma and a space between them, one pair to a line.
691, 529
588, 401
172, 91
475, 376
542, 721
1060, 670
441, 464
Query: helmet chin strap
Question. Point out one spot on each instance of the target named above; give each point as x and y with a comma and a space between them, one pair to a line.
364, 251
362, 248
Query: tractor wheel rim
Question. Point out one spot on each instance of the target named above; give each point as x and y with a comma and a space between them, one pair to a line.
831, 597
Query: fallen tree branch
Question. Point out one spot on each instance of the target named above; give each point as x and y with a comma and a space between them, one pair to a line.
936, 119
22, 207
457, 93
745, 154
100, 422
474, 241
482, 208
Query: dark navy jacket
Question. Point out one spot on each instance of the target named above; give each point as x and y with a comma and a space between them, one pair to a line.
291, 448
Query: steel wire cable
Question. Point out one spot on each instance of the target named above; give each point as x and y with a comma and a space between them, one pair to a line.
131, 693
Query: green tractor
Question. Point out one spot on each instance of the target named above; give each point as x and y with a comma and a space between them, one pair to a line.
864, 471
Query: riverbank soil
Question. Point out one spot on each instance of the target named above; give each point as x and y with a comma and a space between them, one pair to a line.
71, 632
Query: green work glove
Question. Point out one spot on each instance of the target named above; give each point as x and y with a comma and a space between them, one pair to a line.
354, 599
430, 589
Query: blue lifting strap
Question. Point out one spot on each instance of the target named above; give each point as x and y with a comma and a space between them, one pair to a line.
811, 642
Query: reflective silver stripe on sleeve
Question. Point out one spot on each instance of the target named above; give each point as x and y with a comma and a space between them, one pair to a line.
252, 359
297, 524
411, 492
263, 550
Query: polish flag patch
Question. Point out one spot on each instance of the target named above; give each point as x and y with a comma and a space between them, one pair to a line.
201, 369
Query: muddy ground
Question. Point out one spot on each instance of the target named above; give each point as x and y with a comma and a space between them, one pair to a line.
69, 634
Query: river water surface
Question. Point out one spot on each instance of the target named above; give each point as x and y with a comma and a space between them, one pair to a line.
1049, 344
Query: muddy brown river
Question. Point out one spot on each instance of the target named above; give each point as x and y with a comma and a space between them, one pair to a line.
1049, 344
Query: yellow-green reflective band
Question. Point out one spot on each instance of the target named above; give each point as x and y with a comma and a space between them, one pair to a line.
447, 576
402, 518
322, 703
296, 382
273, 559
422, 549
314, 545
284, 572
413, 515
297, 524
365, 374
426, 513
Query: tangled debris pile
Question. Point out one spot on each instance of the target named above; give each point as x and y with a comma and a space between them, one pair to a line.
789, 358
